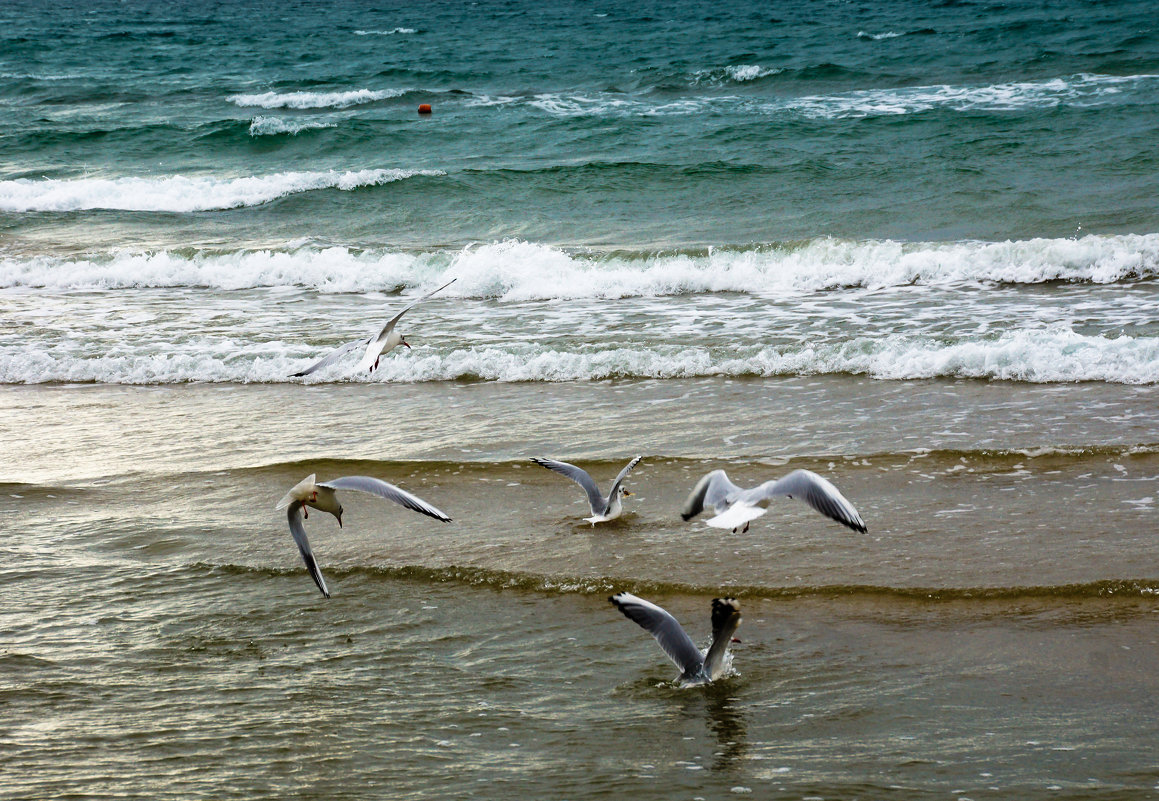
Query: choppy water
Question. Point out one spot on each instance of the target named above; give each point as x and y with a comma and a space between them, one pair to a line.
912, 248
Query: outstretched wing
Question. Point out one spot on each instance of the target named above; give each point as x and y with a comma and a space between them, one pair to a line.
389, 491
710, 491
813, 490
294, 516
725, 619
623, 474
332, 357
661, 625
579, 476
390, 324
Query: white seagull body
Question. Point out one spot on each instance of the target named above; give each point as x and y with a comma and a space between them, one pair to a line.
696, 667
376, 346
603, 508
321, 496
736, 507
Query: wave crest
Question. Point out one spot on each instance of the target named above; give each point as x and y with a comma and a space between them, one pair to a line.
313, 100
516, 270
182, 193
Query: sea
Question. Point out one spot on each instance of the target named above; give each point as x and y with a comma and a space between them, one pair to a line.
910, 246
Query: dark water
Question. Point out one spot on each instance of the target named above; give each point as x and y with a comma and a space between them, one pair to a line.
911, 247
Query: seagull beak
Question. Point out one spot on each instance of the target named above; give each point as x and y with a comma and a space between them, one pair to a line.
628, 494
404, 342
735, 639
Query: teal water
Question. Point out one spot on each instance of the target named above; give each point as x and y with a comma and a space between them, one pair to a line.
911, 247
590, 123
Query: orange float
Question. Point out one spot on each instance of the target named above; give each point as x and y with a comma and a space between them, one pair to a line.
425, 108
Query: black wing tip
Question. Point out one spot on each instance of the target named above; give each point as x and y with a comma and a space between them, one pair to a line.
298, 375
687, 517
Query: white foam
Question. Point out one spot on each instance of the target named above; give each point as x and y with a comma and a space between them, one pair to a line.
274, 126
877, 37
1032, 355
303, 100
391, 32
749, 72
182, 193
516, 271
1079, 90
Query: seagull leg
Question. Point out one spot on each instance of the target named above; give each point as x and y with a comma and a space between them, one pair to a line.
745, 530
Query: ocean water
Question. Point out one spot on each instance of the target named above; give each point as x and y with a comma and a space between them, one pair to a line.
913, 247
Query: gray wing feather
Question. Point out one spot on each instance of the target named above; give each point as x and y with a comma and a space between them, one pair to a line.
725, 619
333, 356
711, 491
661, 625
389, 491
394, 320
814, 490
623, 474
294, 516
580, 476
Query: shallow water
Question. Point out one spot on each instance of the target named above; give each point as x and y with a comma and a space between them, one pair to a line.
912, 248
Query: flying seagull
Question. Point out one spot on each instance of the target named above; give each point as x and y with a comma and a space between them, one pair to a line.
736, 507
696, 667
603, 509
376, 346
321, 496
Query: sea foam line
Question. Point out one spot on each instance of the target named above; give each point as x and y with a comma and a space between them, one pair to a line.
273, 126
516, 271
1030, 355
182, 193
1079, 90
308, 100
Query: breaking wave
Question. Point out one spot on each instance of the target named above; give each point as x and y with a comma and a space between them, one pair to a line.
516, 270
182, 193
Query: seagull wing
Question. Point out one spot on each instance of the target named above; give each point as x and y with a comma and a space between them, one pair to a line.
580, 476
375, 345
389, 491
661, 625
386, 329
623, 474
294, 516
725, 619
711, 491
813, 490
332, 357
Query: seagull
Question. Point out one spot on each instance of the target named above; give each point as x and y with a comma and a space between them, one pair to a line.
321, 496
696, 667
376, 346
603, 509
736, 507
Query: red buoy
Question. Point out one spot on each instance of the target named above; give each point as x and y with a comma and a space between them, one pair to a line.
425, 108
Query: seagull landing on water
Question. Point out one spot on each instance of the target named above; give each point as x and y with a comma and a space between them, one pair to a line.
696, 667
603, 509
736, 507
387, 340
321, 496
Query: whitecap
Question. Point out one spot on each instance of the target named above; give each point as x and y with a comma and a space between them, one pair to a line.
308, 100
274, 126
182, 193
